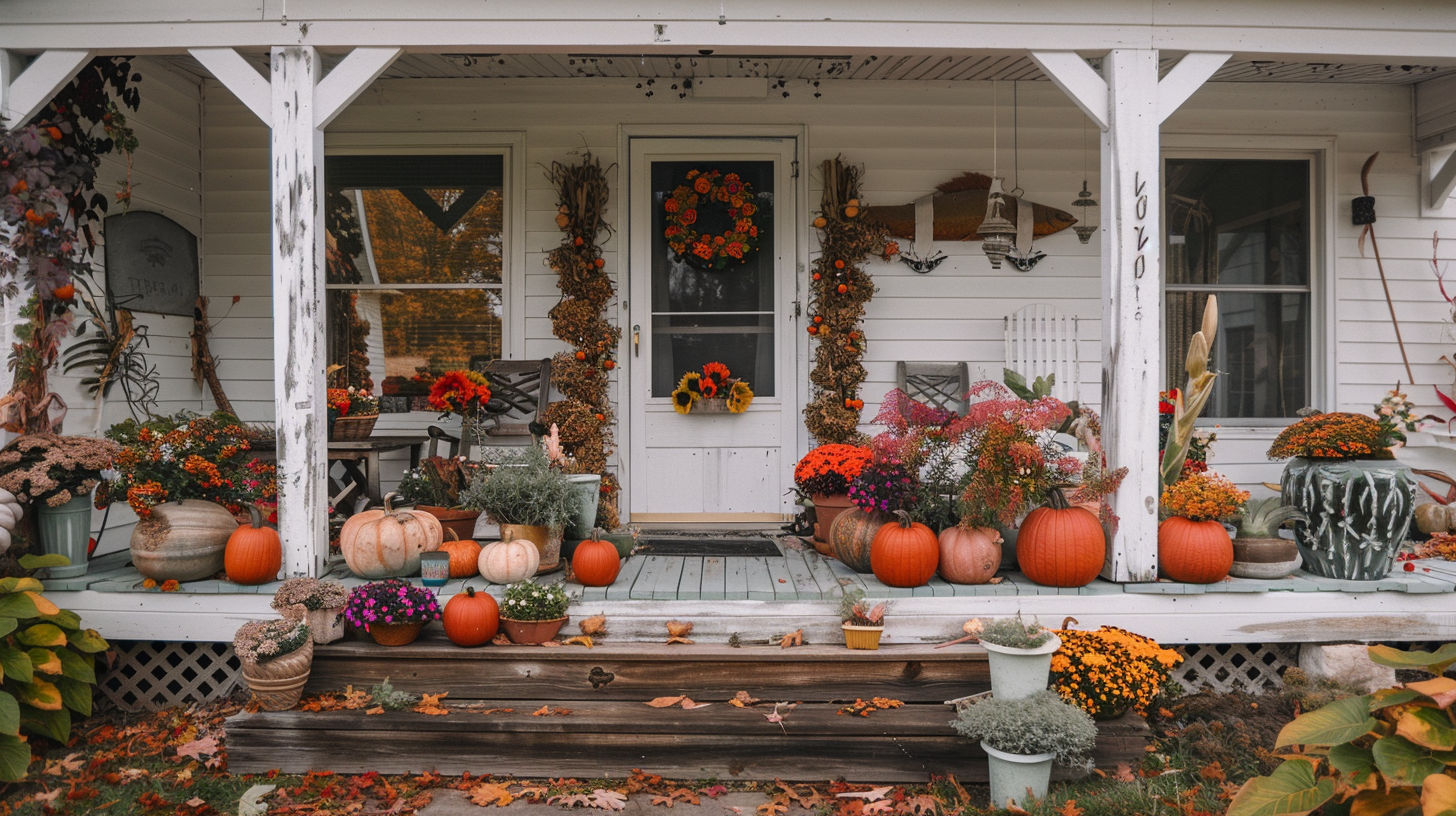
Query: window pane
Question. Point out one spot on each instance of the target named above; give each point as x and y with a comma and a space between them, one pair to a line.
1261, 354
402, 240
387, 339
684, 343
1238, 222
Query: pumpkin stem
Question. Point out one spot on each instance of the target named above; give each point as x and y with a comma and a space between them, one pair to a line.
1057, 500
1068, 621
597, 533
255, 516
389, 503
904, 519
451, 533
470, 592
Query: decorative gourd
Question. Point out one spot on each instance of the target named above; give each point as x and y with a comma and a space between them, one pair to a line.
904, 553
969, 556
387, 543
464, 555
254, 553
471, 618
1060, 545
852, 533
1194, 552
1434, 518
596, 562
506, 562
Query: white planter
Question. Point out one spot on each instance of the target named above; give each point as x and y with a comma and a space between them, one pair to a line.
1013, 774
1017, 673
327, 625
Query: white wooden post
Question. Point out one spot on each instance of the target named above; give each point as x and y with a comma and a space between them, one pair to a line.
1129, 104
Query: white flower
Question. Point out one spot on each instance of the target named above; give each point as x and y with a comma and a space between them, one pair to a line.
110, 474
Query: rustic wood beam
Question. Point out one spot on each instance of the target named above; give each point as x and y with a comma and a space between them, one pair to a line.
23, 94
239, 76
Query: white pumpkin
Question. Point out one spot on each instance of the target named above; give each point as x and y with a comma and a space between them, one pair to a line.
506, 562
387, 543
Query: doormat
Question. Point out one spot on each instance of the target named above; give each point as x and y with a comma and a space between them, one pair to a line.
727, 547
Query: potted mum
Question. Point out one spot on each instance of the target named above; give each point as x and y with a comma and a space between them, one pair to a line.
881, 488
392, 611
529, 499
1110, 671
1356, 500
352, 414
1193, 545
1019, 654
435, 487
320, 604
1022, 737
824, 475
56, 475
532, 614
277, 656
863, 622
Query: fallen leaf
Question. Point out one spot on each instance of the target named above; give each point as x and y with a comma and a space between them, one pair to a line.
48, 797
490, 793
548, 711
742, 700
1124, 773
687, 703
533, 793
871, 795
501, 639
430, 704
794, 638
70, 764
606, 799
199, 748
375, 710
580, 640
883, 806
570, 800
666, 702
713, 791
195, 802
185, 774
595, 625
998, 579
496, 711
1069, 808
922, 805
678, 631
776, 806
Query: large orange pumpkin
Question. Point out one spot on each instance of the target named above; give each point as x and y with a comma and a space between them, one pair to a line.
1060, 545
851, 535
969, 556
1194, 552
471, 618
904, 553
595, 562
254, 553
387, 543
464, 555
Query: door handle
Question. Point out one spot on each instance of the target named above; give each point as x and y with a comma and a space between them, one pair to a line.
636, 340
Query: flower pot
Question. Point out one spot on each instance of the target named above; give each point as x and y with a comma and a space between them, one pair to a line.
862, 637
1358, 511
459, 522
352, 428
826, 510
1264, 557
547, 541
182, 540
1013, 774
1017, 673
327, 625
395, 634
588, 488
278, 683
66, 530
532, 632
710, 405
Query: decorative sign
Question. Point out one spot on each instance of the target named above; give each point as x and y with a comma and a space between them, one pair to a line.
151, 264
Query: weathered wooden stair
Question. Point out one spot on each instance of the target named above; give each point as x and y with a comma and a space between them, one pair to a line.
612, 730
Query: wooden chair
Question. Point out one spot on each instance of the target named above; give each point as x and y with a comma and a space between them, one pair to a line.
940, 385
519, 390
1041, 340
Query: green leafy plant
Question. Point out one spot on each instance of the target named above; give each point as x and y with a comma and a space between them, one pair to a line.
1041, 723
855, 610
1390, 752
49, 667
386, 696
1013, 633
529, 601
524, 490
1262, 518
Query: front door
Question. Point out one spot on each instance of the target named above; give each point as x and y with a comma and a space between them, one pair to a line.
695, 301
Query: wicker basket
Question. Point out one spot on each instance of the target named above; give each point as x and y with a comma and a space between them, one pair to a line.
278, 683
710, 405
352, 428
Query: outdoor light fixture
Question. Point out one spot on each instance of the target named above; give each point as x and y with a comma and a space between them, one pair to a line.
1085, 201
998, 235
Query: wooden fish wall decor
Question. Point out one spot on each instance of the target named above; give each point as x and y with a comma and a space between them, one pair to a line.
960, 206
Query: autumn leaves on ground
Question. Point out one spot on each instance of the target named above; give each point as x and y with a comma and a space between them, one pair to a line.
175, 762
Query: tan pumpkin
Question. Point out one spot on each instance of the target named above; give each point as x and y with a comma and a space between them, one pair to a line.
969, 556
1434, 518
852, 533
464, 555
506, 562
387, 543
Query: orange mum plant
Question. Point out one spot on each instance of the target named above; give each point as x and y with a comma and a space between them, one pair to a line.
1111, 670
1337, 436
1203, 497
828, 469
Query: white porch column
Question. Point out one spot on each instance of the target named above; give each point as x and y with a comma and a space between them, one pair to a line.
298, 314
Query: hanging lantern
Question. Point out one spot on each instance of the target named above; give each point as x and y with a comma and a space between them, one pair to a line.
1084, 228
998, 235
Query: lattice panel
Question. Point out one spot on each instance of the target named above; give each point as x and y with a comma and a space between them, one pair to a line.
150, 675
1251, 667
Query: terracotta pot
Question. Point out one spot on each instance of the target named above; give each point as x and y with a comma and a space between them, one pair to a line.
532, 632
395, 634
182, 540
1265, 557
826, 510
278, 683
862, 637
547, 541
327, 625
459, 522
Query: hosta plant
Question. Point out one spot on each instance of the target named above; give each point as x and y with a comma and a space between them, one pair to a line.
1391, 752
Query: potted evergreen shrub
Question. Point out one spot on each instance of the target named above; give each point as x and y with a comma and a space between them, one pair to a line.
1019, 653
529, 500
55, 475
392, 611
863, 622
1022, 737
532, 614
320, 604
277, 656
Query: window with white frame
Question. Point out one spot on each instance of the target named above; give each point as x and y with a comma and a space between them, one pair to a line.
1242, 228
415, 245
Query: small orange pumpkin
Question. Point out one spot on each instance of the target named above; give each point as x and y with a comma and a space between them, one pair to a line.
254, 553
471, 618
1194, 552
904, 553
969, 556
1060, 545
464, 555
596, 562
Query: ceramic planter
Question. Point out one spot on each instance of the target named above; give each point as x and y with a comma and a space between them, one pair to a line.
588, 487
532, 632
826, 510
182, 540
459, 522
278, 683
327, 625
1264, 557
862, 637
1358, 511
66, 530
1013, 774
395, 634
1018, 673
547, 541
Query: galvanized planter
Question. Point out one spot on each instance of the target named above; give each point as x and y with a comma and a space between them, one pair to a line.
1359, 513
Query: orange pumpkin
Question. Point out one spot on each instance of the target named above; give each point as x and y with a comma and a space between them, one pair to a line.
471, 618
1060, 545
254, 553
596, 562
1194, 552
904, 553
464, 556
969, 556
387, 543
852, 534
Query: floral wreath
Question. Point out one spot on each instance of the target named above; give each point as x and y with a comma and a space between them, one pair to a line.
702, 251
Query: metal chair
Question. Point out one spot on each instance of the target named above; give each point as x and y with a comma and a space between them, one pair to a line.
939, 385
519, 391
1042, 340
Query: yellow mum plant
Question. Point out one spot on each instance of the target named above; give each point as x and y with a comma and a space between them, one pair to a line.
1110, 671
